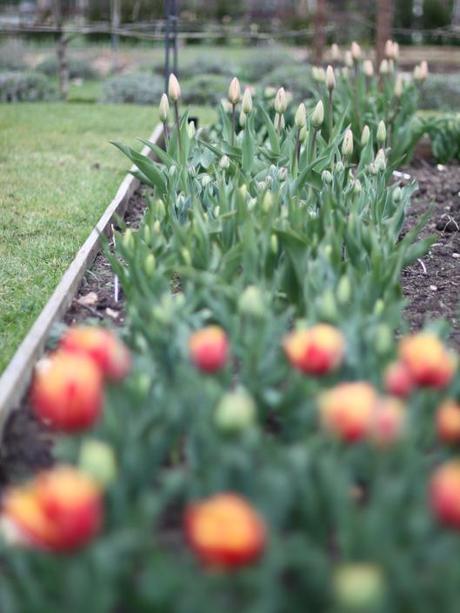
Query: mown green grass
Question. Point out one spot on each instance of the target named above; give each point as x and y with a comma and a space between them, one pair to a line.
58, 172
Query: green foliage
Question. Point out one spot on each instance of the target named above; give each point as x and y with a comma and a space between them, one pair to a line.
444, 133
295, 78
136, 88
204, 89
260, 63
78, 68
25, 87
441, 92
12, 53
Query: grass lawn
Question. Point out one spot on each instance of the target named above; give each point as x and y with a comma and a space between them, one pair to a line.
58, 172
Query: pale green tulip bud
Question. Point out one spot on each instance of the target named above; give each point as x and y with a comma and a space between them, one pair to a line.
339, 167
159, 208
303, 135
357, 187
384, 67
380, 161
317, 117
328, 306
399, 86
423, 70
274, 243
164, 108
330, 78
327, 177
381, 133
359, 587
98, 461
279, 122
128, 240
217, 211
235, 412
379, 307
397, 195
243, 119
191, 129
365, 136
344, 290
347, 144
280, 103
389, 50
267, 201
185, 253
147, 234
234, 91
174, 91
301, 116
205, 180
251, 302
149, 264
156, 227
383, 339
243, 190
224, 162
247, 101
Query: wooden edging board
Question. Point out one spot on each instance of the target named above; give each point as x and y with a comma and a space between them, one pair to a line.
17, 376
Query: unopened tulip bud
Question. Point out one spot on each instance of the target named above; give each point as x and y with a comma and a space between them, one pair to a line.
330, 78
191, 129
347, 144
303, 134
356, 50
384, 67
327, 177
186, 257
359, 587
398, 380
365, 135
242, 119
274, 243
234, 91
128, 240
381, 133
301, 116
423, 70
339, 167
235, 412
448, 421
368, 68
317, 350
251, 302
98, 461
156, 227
224, 162
174, 91
208, 349
383, 339
380, 161
317, 117
247, 101
389, 50
344, 290
164, 108
335, 52
149, 264
357, 187
399, 86
280, 101
397, 195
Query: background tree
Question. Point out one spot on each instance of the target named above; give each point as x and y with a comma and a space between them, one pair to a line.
320, 34
385, 12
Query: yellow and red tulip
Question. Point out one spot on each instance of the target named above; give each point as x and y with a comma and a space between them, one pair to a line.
208, 349
317, 350
347, 410
398, 380
67, 392
445, 494
448, 421
225, 531
388, 420
102, 346
60, 510
429, 361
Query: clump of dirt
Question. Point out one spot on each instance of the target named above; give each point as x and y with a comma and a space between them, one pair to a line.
431, 285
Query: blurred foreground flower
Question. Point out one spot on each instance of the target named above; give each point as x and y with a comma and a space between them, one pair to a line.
107, 351
347, 410
445, 494
428, 360
98, 461
398, 380
236, 411
448, 421
209, 349
60, 510
67, 392
388, 421
225, 531
317, 350
359, 587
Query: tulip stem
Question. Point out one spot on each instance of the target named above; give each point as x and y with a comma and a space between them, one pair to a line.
166, 132
330, 115
176, 113
233, 123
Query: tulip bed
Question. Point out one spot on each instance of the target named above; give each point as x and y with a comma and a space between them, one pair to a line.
265, 444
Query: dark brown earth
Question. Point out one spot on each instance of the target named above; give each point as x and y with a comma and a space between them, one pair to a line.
431, 286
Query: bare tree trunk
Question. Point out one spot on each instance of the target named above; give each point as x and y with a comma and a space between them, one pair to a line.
61, 50
384, 27
320, 34
115, 6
